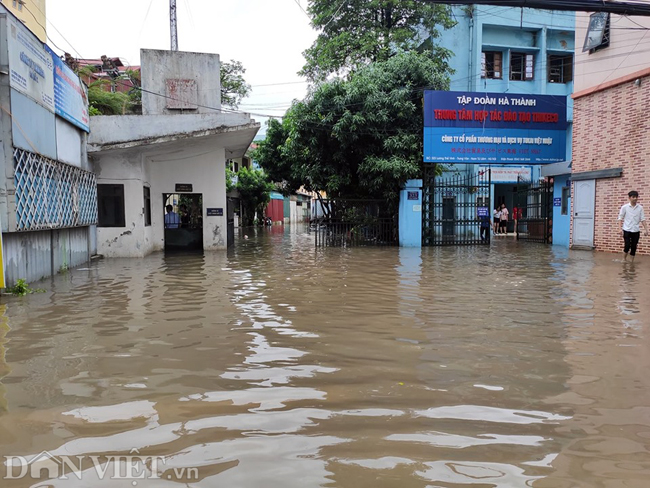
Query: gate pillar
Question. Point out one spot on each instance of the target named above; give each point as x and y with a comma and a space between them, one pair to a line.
410, 214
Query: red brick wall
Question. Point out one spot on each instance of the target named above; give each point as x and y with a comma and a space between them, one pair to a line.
611, 129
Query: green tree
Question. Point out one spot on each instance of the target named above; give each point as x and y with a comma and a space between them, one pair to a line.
354, 33
233, 85
360, 137
255, 192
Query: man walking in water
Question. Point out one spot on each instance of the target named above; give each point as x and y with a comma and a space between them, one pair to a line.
631, 216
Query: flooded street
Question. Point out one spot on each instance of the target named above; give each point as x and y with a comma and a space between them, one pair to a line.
281, 365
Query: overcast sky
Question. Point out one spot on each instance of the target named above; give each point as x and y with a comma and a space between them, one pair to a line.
267, 36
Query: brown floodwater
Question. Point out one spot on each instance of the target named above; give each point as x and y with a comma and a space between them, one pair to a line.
281, 365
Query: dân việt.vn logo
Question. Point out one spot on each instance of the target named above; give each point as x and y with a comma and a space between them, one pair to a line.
48, 466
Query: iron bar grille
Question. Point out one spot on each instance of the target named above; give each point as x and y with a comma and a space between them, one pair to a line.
534, 202
453, 207
51, 194
354, 223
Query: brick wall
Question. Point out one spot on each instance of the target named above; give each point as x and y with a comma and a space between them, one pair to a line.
611, 129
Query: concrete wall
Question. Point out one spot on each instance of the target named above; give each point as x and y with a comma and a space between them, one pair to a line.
160, 66
612, 131
561, 223
124, 168
410, 215
629, 51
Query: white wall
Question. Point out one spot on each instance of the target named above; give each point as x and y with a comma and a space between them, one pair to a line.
124, 168
160, 66
628, 52
68, 143
206, 172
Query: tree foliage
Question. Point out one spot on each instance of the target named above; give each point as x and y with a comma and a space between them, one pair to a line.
255, 192
233, 85
354, 33
360, 137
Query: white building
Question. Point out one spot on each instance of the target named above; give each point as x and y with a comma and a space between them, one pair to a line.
174, 154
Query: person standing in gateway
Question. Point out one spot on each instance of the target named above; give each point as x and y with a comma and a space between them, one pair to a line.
632, 217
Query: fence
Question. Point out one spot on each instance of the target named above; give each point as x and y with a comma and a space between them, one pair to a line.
353, 223
52, 195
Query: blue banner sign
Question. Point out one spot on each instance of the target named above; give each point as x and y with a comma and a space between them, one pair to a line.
483, 211
503, 128
70, 95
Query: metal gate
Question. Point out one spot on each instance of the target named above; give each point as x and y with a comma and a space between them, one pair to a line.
534, 210
455, 208
354, 223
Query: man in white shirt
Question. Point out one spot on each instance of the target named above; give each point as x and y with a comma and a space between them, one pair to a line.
631, 217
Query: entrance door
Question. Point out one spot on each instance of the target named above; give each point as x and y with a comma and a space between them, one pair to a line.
183, 221
584, 205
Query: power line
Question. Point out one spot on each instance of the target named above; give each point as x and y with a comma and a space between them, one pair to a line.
303, 10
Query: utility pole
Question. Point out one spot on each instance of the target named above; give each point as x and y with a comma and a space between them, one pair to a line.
173, 24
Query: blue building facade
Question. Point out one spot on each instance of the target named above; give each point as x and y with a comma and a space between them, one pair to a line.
514, 51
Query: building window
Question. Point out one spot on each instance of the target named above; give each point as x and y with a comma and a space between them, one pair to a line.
597, 37
566, 194
491, 65
147, 205
110, 205
560, 69
522, 66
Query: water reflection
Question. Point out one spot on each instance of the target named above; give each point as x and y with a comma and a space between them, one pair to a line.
278, 364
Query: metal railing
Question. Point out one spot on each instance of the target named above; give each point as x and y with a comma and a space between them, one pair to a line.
339, 233
51, 194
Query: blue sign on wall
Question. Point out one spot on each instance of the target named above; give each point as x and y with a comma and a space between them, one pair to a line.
504, 128
70, 95
557, 202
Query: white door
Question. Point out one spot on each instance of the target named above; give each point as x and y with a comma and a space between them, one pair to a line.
584, 205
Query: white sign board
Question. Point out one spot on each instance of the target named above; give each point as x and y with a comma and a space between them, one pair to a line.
508, 174
30, 64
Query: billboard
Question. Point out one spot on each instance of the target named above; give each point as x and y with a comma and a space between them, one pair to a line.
30, 65
70, 94
494, 128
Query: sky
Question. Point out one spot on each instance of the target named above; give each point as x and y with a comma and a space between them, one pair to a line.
267, 36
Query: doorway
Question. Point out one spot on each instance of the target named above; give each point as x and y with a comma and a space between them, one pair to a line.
183, 221
505, 194
584, 205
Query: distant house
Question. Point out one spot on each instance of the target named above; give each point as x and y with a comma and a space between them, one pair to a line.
117, 76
